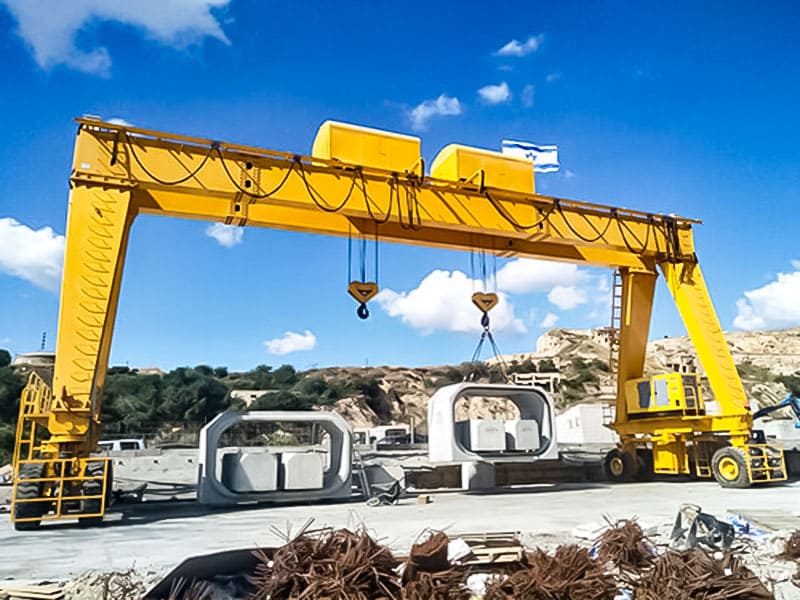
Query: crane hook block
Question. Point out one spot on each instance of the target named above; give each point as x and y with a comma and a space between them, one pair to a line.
484, 302
362, 291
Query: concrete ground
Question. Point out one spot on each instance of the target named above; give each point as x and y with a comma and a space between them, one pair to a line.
159, 535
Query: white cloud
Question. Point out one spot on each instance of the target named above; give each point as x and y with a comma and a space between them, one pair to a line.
567, 297
568, 174
517, 48
51, 27
528, 94
772, 306
551, 77
442, 301
495, 94
226, 235
525, 275
291, 342
549, 320
34, 255
120, 121
443, 106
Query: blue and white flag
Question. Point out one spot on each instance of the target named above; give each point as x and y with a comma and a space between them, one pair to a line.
545, 158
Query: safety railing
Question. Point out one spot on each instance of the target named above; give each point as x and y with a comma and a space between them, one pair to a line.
34, 407
59, 490
765, 463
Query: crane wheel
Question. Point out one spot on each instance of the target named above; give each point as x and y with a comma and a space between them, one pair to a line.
619, 466
646, 470
729, 466
28, 490
94, 487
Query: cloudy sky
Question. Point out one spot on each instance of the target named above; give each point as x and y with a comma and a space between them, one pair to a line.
653, 106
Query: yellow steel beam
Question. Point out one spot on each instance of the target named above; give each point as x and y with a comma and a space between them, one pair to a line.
245, 185
688, 289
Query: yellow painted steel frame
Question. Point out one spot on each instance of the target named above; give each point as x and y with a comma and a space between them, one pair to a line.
121, 172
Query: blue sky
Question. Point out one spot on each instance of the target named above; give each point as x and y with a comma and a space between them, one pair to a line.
655, 106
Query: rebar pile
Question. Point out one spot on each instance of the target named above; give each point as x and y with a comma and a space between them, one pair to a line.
570, 574
327, 564
624, 545
696, 574
428, 574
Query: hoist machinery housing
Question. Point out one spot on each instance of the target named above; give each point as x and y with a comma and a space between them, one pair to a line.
369, 183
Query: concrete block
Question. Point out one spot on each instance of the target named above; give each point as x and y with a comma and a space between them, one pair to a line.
477, 476
250, 472
482, 435
302, 470
522, 434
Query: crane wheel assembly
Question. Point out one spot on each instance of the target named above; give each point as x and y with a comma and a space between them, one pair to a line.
367, 183
620, 466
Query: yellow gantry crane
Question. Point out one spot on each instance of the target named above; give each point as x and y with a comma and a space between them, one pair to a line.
370, 183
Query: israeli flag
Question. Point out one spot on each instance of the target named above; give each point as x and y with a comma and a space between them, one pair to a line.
545, 158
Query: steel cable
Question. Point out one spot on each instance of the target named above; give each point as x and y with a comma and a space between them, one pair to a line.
507, 216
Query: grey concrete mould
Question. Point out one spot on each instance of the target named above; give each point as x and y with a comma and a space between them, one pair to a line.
447, 440
336, 480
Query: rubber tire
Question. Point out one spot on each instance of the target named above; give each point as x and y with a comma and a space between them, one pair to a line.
629, 466
30, 489
742, 479
646, 471
94, 488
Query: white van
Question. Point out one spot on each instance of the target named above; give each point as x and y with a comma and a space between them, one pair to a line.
117, 445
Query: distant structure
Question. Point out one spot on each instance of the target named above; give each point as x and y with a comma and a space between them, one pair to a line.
603, 335
39, 362
549, 382
683, 363
248, 396
151, 371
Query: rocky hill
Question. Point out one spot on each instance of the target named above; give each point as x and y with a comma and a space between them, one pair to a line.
580, 359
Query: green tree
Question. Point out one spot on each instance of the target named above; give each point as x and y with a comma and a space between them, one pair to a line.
283, 400
791, 382
546, 365
5, 358
189, 395
285, 376
10, 389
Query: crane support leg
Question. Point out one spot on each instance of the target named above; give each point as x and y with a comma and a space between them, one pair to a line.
56, 474
97, 226
638, 288
688, 289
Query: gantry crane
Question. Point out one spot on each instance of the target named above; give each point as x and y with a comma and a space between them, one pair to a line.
370, 183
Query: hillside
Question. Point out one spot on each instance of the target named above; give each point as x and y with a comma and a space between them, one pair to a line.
580, 357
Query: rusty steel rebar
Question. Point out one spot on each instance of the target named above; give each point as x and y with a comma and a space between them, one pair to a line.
428, 574
569, 574
696, 574
625, 546
330, 564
